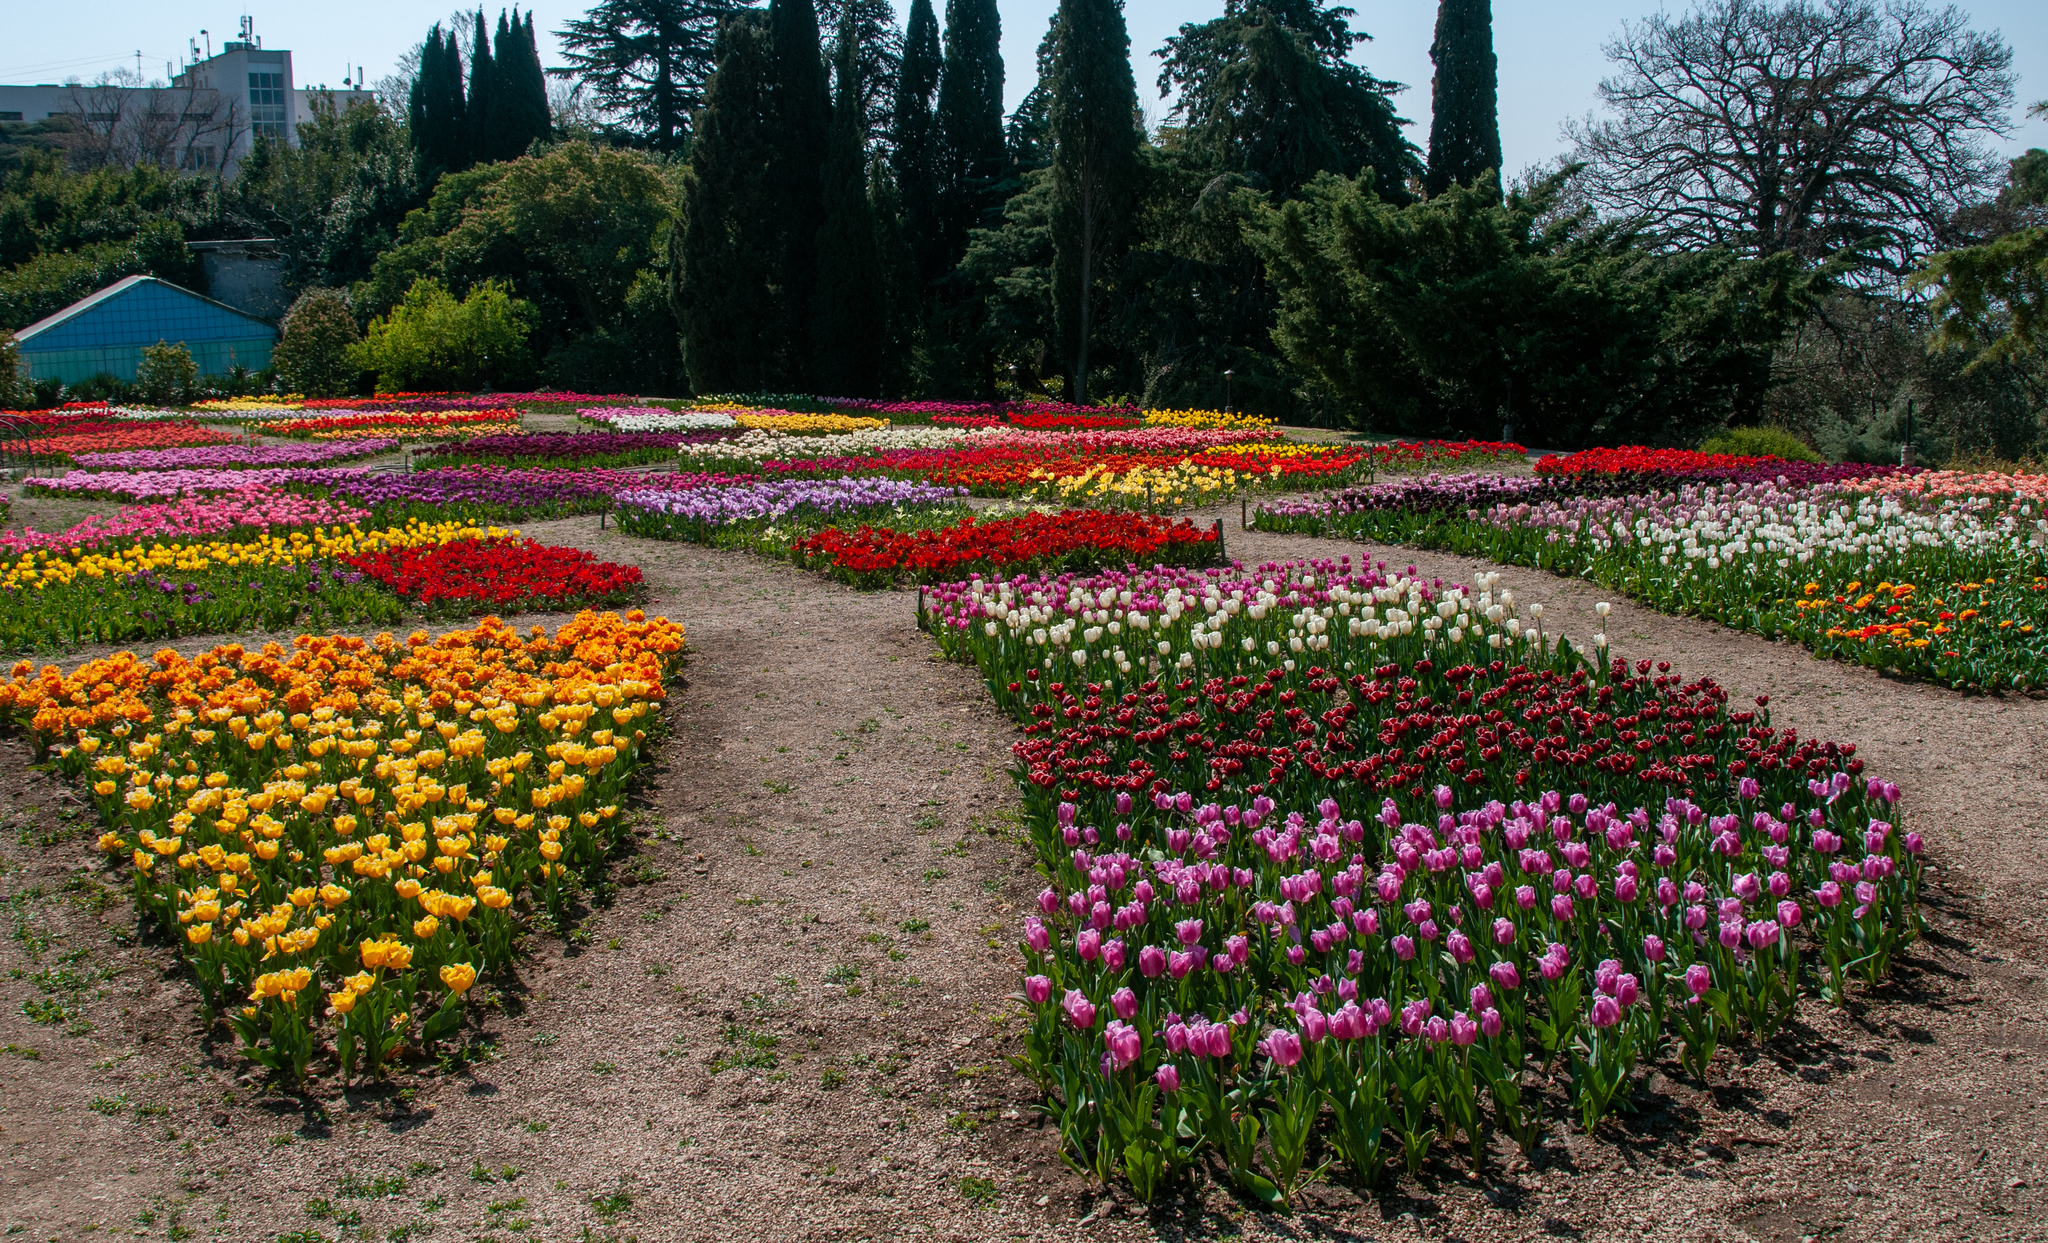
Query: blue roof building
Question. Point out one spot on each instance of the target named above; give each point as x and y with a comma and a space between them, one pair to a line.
107, 332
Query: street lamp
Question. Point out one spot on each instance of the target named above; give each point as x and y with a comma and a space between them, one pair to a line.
1229, 406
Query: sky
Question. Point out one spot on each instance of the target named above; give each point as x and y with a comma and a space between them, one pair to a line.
1550, 53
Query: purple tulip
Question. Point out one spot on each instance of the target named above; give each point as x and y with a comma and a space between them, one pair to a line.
1151, 962
1404, 947
1037, 989
1490, 1022
1505, 975
1167, 1077
1653, 948
1463, 1030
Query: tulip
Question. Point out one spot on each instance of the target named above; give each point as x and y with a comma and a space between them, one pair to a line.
1698, 979
1080, 1011
1653, 948
1123, 1042
1151, 962
1088, 944
1490, 1022
1037, 989
1167, 1077
1463, 1031
1284, 1047
1505, 975
1036, 936
1606, 1011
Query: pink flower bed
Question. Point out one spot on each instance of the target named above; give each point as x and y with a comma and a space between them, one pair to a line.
256, 506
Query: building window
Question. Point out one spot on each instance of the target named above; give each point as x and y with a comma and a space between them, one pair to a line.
198, 158
267, 104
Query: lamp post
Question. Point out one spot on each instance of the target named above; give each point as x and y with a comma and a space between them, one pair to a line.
1906, 449
1229, 405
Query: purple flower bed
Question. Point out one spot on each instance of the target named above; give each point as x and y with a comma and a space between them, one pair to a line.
583, 448
234, 457
700, 513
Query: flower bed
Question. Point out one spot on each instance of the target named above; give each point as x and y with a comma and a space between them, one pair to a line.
324, 877
1042, 543
489, 575
1767, 557
407, 425
766, 516
1673, 465
249, 509
1205, 418
788, 421
234, 457
1473, 868
584, 449
655, 419
50, 599
70, 439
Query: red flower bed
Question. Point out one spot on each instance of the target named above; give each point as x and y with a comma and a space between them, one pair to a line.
1071, 540
1638, 460
476, 576
87, 436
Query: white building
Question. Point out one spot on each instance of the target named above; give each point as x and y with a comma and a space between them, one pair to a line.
205, 121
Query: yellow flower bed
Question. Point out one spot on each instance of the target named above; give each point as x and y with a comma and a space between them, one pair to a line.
290, 401
1206, 419
802, 423
44, 567
337, 836
1142, 487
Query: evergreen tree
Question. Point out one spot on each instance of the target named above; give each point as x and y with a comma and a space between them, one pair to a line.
722, 280
522, 103
800, 107
851, 290
1093, 115
878, 51
904, 293
647, 61
913, 139
434, 109
482, 111
1464, 124
971, 153
1268, 91
1028, 136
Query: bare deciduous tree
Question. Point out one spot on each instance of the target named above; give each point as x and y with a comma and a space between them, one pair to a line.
1821, 127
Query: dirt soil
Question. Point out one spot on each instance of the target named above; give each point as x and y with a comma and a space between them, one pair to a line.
790, 1019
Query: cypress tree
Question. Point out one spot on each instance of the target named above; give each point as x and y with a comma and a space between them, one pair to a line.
801, 108
1093, 119
723, 286
971, 153
851, 289
483, 96
533, 91
435, 111
913, 139
1464, 124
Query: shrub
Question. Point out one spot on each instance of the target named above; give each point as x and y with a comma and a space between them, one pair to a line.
15, 390
313, 354
1761, 442
432, 342
167, 376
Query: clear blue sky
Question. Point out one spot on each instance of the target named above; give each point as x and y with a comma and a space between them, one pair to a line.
1550, 58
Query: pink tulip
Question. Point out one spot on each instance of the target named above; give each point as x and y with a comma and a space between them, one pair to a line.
1151, 962
1606, 1011
1037, 989
1080, 1011
1699, 979
1167, 1077
1490, 1022
1124, 1002
1036, 936
1124, 1043
1284, 1047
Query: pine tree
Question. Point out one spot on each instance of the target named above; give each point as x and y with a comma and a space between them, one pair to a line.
1093, 117
482, 110
878, 47
971, 154
734, 321
913, 139
647, 61
800, 106
850, 302
1464, 125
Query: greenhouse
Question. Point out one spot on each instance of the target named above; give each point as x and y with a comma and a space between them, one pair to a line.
107, 332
